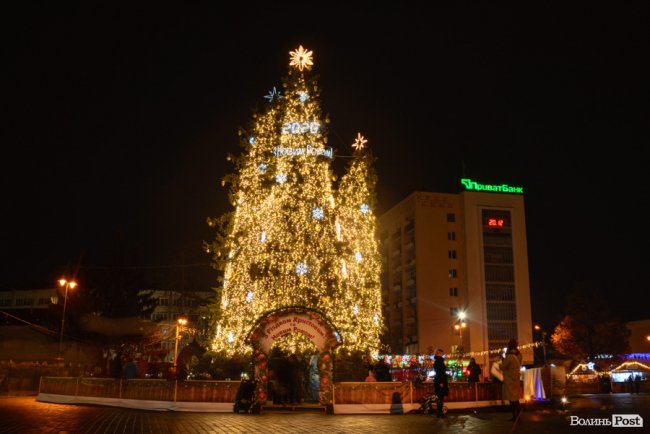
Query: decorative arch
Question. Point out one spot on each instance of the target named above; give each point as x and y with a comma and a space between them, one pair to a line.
295, 319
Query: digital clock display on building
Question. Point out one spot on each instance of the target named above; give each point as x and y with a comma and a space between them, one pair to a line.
496, 222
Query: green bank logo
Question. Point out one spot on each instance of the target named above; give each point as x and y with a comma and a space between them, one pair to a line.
503, 188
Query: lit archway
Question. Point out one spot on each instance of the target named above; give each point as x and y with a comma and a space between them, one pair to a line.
278, 323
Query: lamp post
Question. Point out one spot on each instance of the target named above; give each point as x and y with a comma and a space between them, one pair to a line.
67, 284
179, 322
460, 325
540, 329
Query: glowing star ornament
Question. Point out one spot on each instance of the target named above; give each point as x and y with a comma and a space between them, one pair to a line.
301, 269
301, 58
317, 213
364, 208
359, 142
273, 94
303, 96
281, 178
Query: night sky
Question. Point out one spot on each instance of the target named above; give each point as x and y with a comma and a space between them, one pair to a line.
118, 123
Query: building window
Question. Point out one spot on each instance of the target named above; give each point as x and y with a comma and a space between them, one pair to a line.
451, 236
453, 292
453, 272
451, 254
451, 217
24, 301
453, 311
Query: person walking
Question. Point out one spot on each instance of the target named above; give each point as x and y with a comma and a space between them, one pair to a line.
511, 367
441, 385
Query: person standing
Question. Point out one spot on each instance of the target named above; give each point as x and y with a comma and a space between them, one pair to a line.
314, 378
131, 369
371, 376
441, 385
473, 372
511, 367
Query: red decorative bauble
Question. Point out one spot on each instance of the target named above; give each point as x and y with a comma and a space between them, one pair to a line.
326, 357
264, 378
262, 395
325, 381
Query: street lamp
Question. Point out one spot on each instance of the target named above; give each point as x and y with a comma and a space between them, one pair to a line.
460, 325
179, 322
540, 329
67, 284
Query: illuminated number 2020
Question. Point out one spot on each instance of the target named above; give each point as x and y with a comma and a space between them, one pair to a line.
301, 127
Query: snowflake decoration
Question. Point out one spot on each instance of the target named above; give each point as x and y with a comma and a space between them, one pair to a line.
359, 142
357, 256
303, 96
281, 178
301, 269
301, 58
251, 140
249, 297
364, 208
262, 167
317, 213
273, 94
263, 237
355, 309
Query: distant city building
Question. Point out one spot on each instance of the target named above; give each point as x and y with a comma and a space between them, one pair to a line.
28, 299
171, 305
447, 254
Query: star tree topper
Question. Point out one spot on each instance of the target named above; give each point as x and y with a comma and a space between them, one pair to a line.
301, 58
359, 142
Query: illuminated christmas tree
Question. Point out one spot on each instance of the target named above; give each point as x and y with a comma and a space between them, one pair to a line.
291, 240
360, 268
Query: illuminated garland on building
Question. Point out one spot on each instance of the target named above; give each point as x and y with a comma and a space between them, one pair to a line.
293, 239
406, 360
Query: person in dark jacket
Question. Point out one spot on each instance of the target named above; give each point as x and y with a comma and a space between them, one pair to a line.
382, 371
473, 372
130, 370
441, 382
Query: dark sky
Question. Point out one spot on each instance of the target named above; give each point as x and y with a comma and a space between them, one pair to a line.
118, 123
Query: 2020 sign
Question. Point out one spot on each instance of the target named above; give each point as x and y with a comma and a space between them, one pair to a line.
301, 127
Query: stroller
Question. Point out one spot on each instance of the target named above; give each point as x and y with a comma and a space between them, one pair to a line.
244, 397
428, 405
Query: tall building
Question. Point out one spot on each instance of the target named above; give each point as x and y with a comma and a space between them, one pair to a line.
455, 272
